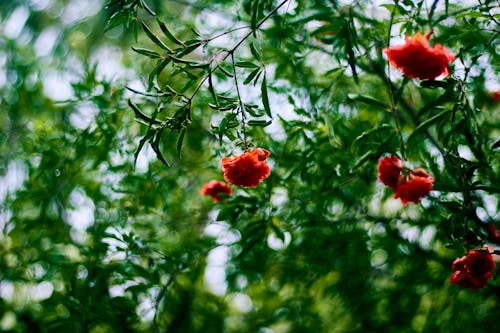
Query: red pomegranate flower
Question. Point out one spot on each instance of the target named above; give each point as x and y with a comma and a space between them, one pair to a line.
417, 59
248, 169
473, 271
389, 169
213, 188
493, 233
414, 186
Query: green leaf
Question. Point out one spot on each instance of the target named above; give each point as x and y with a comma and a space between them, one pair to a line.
168, 34
211, 89
265, 97
254, 16
180, 139
259, 123
426, 124
246, 64
155, 144
140, 115
361, 139
254, 51
160, 66
225, 71
146, 52
147, 8
367, 100
149, 135
252, 75
224, 124
187, 50
154, 38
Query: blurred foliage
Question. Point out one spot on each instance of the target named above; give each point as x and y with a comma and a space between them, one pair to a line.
115, 113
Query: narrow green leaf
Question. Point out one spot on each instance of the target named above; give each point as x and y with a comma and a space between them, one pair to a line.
155, 144
255, 13
211, 89
188, 49
252, 75
265, 97
364, 158
146, 52
141, 115
376, 130
169, 35
146, 138
147, 8
225, 71
160, 66
259, 123
426, 124
224, 124
246, 64
180, 139
367, 100
154, 38
254, 52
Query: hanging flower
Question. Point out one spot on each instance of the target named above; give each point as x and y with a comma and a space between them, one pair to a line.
473, 271
248, 169
409, 185
414, 186
389, 169
213, 188
417, 59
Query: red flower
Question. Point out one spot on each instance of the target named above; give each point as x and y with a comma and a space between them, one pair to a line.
417, 59
248, 169
414, 186
389, 169
213, 188
496, 96
494, 233
473, 271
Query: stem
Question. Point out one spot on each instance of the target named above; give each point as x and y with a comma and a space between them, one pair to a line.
240, 102
238, 44
390, 89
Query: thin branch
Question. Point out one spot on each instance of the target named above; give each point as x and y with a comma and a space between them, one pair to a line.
241, 105
238, 44
390, 87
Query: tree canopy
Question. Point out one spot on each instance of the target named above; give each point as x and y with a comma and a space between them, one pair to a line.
354, 148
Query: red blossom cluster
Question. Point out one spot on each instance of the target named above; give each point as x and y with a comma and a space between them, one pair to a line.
417, 59
473, 271
410, 186
247, 169
214, 188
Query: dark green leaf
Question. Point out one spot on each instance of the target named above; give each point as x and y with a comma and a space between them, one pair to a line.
146, 52
265, 97
245, 64
260, 123
252, 75
426, 124
147, 8
180, 139
211, 89
154, 38
168, 34
254, 51
141, 115
367, 100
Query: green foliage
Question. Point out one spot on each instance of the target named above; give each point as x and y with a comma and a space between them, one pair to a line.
110, 130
